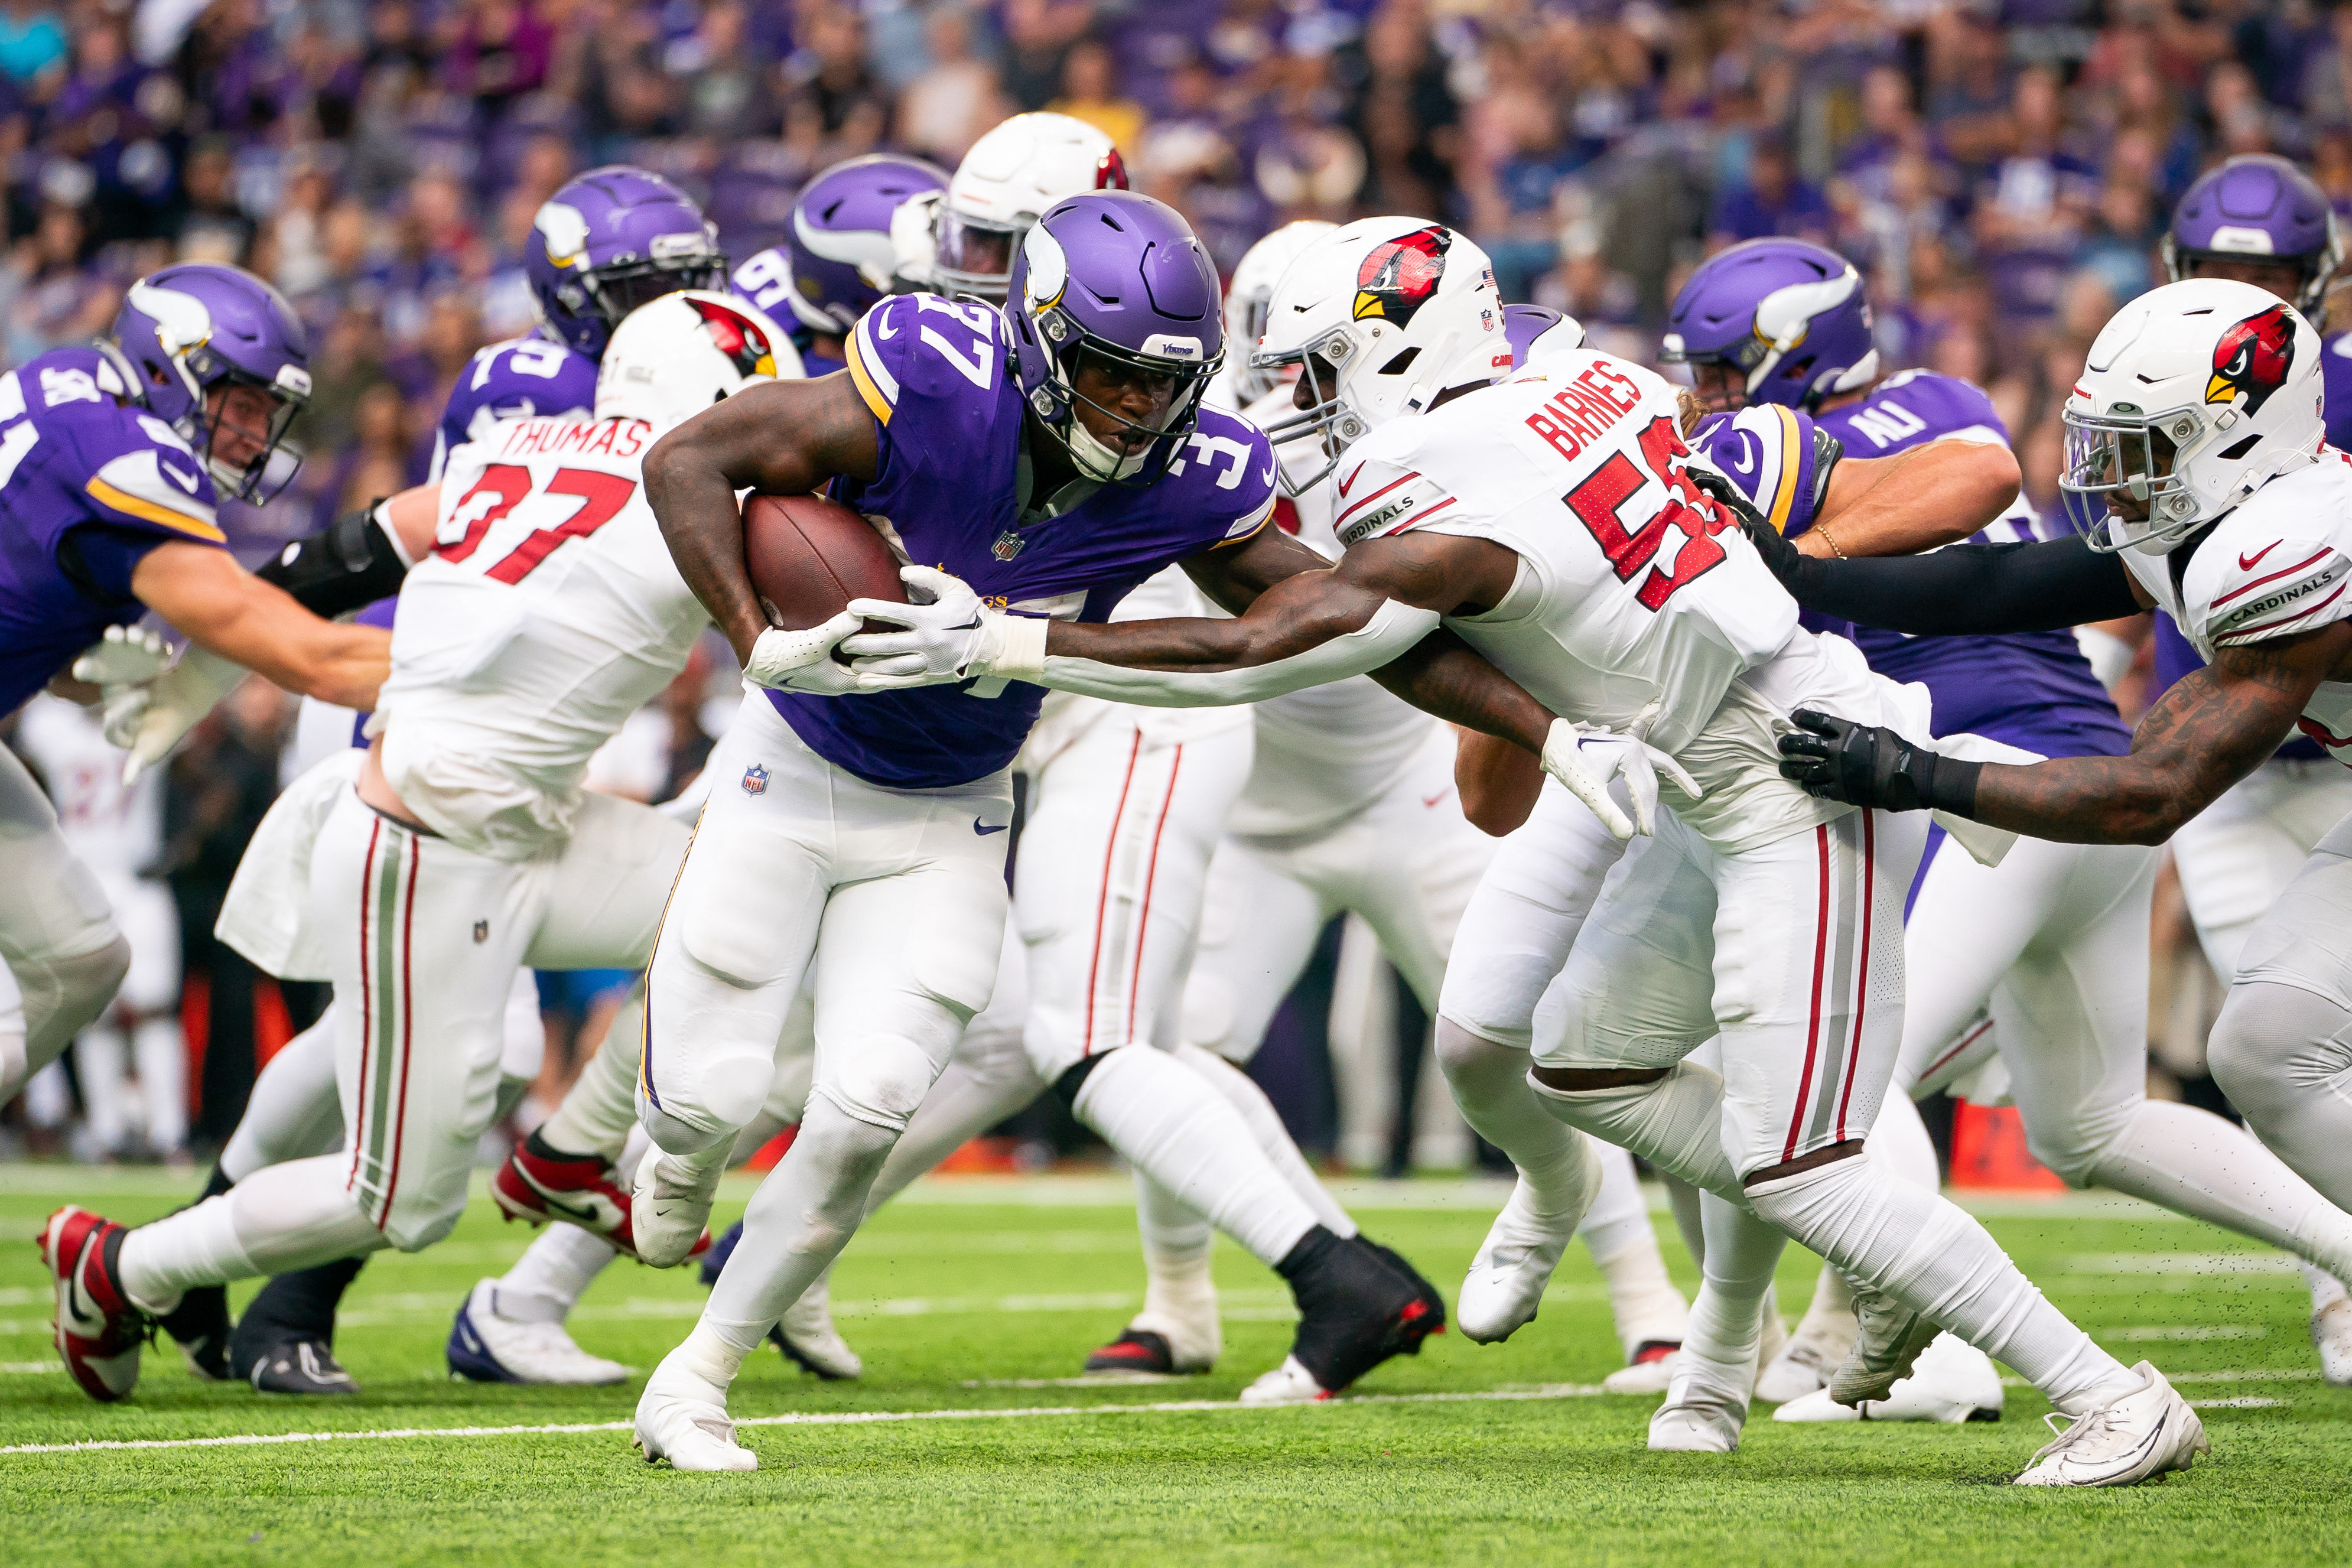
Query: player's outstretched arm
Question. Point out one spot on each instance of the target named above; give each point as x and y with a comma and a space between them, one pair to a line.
1966, 590
227, 611
787, 438
1932, 495
2209, 730
1499, 782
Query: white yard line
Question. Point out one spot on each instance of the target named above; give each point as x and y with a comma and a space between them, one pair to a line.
828, 1418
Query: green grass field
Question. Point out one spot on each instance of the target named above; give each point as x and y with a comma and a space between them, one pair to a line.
972, 1301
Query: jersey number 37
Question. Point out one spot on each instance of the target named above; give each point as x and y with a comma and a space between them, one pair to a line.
503, 486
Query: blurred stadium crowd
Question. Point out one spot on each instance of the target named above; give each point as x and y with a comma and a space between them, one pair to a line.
2000, 170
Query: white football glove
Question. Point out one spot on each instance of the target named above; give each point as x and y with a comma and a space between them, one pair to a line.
1585, 758
147, 718
949, 636
803, 661
126, 656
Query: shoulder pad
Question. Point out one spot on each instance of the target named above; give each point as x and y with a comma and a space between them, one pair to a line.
924, 347
2281, 586
1768, 452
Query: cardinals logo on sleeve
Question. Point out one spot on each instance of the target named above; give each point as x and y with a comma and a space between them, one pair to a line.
2252, 360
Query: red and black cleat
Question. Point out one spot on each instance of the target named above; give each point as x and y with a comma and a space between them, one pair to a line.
1358, 1304
99, 1331
1136, 1350
538, 1184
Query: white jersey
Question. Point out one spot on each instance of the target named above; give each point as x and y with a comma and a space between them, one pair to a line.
113, 828
1637, 603
2278, 565
1325, 753
547, 612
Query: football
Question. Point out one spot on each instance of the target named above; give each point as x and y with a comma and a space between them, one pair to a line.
809, 557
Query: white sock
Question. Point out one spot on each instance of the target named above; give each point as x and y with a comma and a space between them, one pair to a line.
1177, 1246
1489, 1083
101, 1055
1931, 1256
600, 1106
1899, 1140
293, 1112
1273, 1140
1675, 1123
2194, 1162
276, 1220
1624, 1246
797, 1223
1166, 1122
961, 1105
1683, 1199
160, 1051
554, 1270
1727, 1320
2326, 1290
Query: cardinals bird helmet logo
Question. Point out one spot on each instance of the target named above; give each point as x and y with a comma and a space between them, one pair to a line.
1399, 275
2253, 358
738, 338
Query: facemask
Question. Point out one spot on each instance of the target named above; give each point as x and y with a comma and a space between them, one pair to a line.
1096, 460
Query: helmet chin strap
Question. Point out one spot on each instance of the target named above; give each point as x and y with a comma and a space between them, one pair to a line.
1097, 461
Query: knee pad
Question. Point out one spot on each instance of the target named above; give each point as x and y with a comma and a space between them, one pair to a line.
880, 1084
676, 1135
2274, 1042
417, 1237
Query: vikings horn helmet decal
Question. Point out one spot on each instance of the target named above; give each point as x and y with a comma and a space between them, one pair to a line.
1397, 276
2253, 358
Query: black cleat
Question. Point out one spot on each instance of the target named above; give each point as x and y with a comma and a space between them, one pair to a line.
200, 1326
1356, 1309
297, 1366
1136, 1350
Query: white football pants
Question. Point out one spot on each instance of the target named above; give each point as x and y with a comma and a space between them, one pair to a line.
58, 936
141, 1032
2238, 855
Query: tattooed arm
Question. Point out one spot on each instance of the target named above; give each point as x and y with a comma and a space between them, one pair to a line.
2210, 730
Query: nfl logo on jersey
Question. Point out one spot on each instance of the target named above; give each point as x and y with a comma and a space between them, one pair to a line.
755, 780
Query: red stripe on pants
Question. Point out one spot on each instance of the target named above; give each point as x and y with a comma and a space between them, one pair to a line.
1821, 959
1862, 979
1150, 875
1102, 899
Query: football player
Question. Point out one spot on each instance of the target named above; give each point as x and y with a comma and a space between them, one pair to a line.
964, 240
1551, 522
548, 612
2198, 467
1053, 453
111, 461
838, 261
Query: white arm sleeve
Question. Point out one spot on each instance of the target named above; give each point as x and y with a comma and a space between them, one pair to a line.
1393, 628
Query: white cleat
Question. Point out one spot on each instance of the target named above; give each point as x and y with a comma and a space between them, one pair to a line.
683, 1419
1506, 1283
1952, 1382
485, 1346
809, 1339
1804, 1361
2331, 1336
2145, 1433
1290, 1383
1888, 1341
670, 1202
1705, 1406
1652, 1375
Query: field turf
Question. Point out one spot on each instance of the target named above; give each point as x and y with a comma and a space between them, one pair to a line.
972, 1301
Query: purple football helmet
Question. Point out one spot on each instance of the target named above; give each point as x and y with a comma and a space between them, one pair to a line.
186, 331
2258, 208
1786, 315
1534, 331
1115, 280
609, 241
840, 251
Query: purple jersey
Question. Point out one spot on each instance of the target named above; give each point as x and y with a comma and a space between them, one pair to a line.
523, 378
2033, 689
2335, 388
766, 281
89, 482
935, 374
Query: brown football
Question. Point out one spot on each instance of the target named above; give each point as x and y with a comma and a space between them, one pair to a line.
808, 557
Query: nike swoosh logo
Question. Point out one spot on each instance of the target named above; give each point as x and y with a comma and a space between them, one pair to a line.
984, 830
2248, 562
187, 484
1351, 479
1269, 474
1431, 800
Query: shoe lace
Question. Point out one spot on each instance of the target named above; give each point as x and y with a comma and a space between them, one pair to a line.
2078, 1429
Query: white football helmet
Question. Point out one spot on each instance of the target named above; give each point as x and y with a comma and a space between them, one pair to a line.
1252, 292
2221, 378
1382, 315
674, 357
1004, 184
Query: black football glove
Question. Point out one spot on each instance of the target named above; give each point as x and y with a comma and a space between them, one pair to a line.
1781, 557
1862, 764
